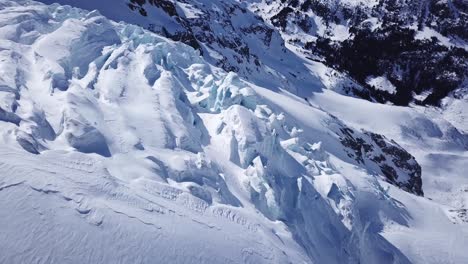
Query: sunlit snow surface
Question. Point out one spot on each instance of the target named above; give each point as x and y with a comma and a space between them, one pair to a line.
119, 146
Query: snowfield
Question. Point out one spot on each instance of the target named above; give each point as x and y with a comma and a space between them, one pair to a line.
120, 146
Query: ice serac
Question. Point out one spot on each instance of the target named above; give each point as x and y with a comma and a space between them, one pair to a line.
119, 150
120, 145
228, 34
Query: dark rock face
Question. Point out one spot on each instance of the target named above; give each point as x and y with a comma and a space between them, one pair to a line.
167, 6
459, 214
280, 19
397, 165
185, 35
383, 42
413, 66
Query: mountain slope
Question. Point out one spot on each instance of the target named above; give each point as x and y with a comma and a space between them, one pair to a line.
395, 51
383, 51
227, 33
119, 145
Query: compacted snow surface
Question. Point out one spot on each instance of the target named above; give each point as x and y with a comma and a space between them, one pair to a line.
120, 146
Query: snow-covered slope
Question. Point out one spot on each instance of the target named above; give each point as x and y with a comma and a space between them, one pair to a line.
405, 43
122, 146
227, 33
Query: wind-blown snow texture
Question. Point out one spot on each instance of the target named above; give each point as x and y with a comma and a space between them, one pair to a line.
122, 146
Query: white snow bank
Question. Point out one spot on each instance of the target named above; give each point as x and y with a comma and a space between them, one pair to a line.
381, 83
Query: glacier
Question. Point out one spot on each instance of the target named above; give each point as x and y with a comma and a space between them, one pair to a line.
122, 146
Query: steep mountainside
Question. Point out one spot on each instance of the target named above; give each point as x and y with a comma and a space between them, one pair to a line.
227, 34
121, 143
388, 51
399, 51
